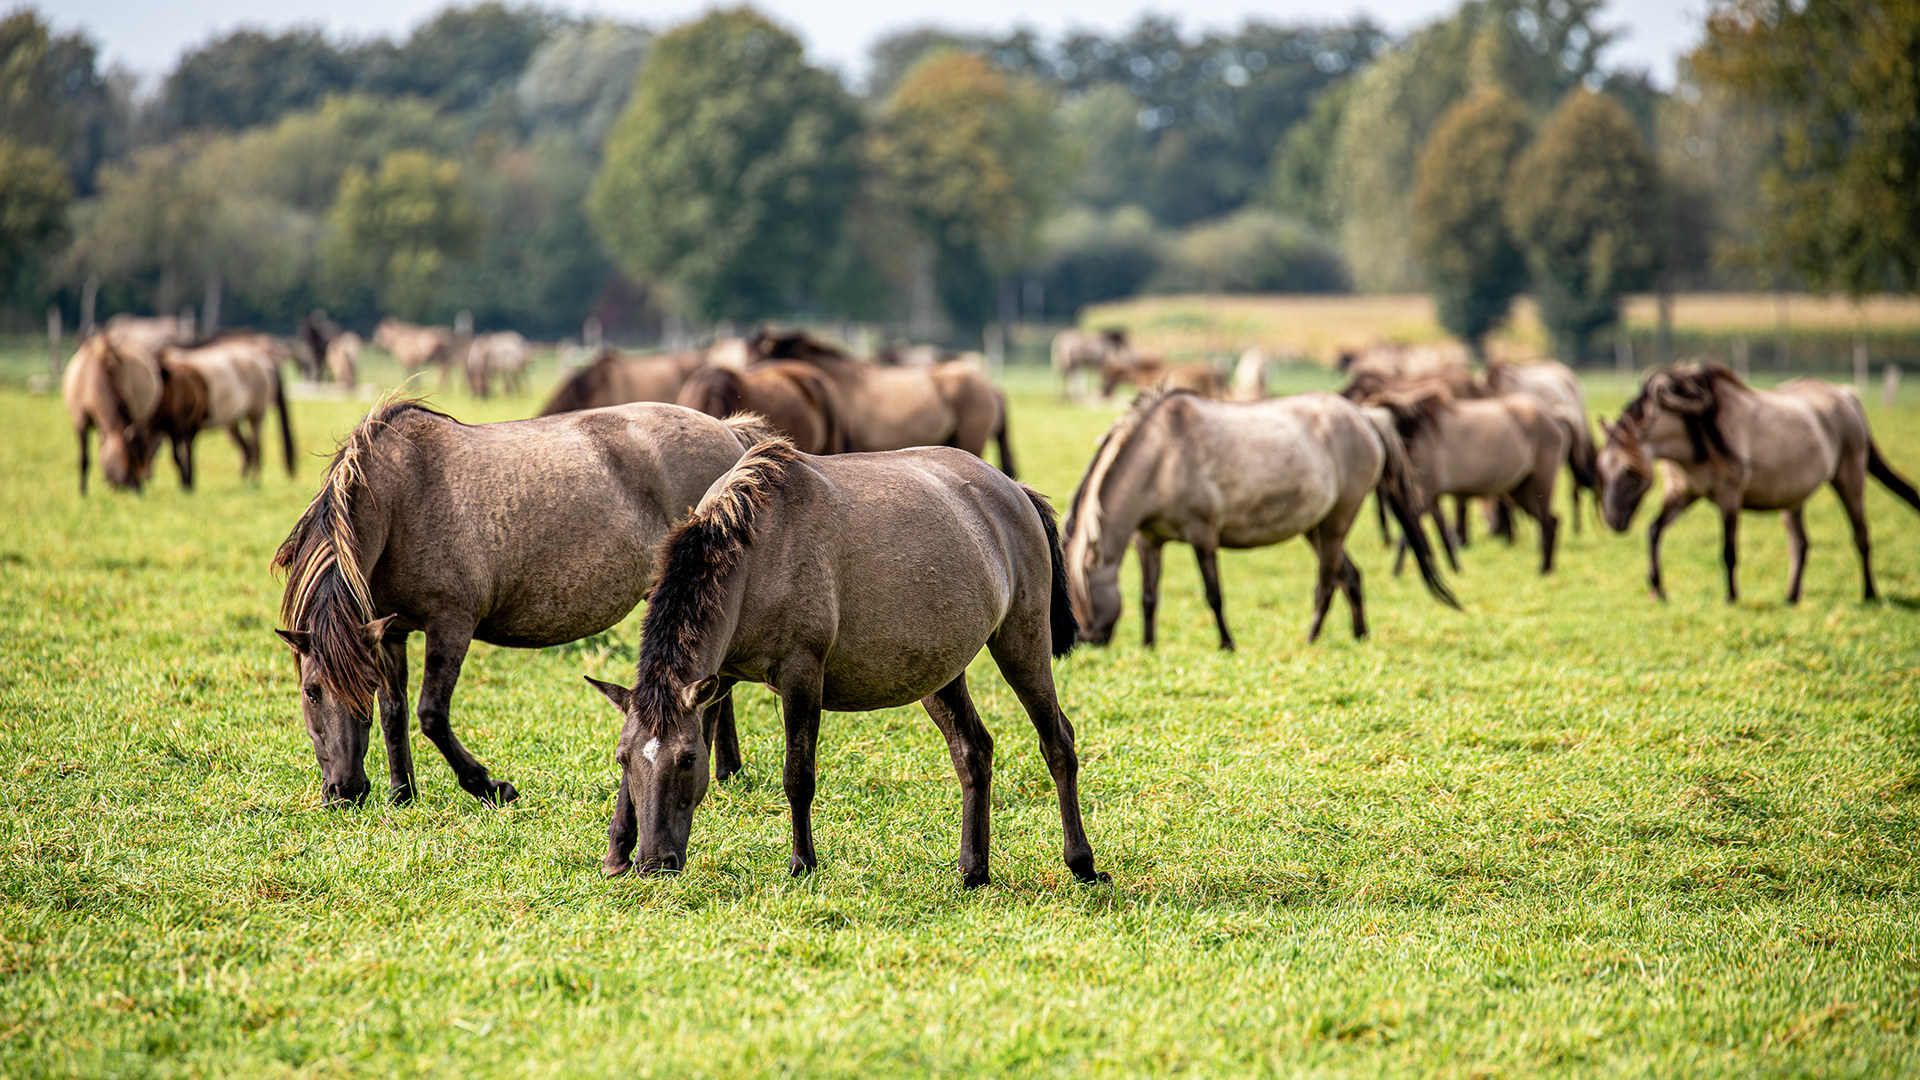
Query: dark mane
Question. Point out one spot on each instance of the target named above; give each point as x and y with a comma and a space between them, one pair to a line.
327, 597
689, 586
771, 344
583, 387
715, 391
1692, 393
1414, 405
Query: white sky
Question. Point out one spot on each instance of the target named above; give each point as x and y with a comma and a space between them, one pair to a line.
148, 37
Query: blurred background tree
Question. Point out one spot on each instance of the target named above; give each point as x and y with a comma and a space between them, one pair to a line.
395, 232
33, 203
1459, 217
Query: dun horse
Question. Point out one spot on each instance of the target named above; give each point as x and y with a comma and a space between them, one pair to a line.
1743, 449
795, 399
612, 378
849, 583
523, 534
114, 389
242, 382
181, 414
1075, 349
1233, 475
502, 354
414, 346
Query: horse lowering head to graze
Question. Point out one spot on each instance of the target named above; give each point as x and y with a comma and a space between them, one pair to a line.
794, 398
114, 390
1215, 475
242, 382
1743, 449
503, 353
848, 583
615, 378
1075, 349
523, 534
181, 413
1554, 384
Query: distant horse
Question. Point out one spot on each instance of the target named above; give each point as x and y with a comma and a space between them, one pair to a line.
1554, 384
115, 390
317, 332
890, 408
1150, 372
503, 353
1249, 381
614, 378
243, 382
1743, 449
1233, 475
1446, 360
416, 347
1075, 349
847, 583
795, 399
144, 336
343, 357
524, 534
179, 417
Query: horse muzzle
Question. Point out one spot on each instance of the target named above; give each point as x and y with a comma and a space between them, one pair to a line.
345, 792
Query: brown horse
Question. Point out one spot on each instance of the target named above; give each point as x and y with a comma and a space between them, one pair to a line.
523, 534
1075, 349
1743, 449
1553, 384
343, 357
503, 354
113, 389
795, 400
179, 417
891, 408
614, 378
416, 347
1233, 475
851, 583
1150, 372
243, 382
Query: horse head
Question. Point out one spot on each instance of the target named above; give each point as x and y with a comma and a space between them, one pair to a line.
1624, 472
337, 680
662, 754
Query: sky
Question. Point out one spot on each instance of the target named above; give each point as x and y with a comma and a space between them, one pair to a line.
148, 37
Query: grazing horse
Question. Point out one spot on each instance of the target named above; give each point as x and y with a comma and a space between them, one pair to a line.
180, 415
795, 399
524, 534
850, 583
317, 332
891, 408
1234, 475
114, 389
613, 378
1553, 384
416, 347
243, 381
1075, 349
503, 353
343, 357
1150, 372
1743, 449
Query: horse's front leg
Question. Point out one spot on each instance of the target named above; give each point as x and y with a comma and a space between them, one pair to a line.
1149, 552
1730, 547
1676, 504
971, 748
1795, 521
800, 709
446, 652
84, 432
183, 459
1460, 519
1209, 557
622, 834
401, 786
722, 737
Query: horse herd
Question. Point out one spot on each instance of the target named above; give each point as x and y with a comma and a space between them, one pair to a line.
828, 527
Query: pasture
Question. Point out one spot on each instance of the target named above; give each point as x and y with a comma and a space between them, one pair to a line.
1570, 831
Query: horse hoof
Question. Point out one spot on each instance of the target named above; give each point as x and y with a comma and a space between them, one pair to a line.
977, 880
798, 867
1083, 869
501, 793
400, 796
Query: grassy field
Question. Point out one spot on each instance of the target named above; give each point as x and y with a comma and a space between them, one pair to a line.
1568, 832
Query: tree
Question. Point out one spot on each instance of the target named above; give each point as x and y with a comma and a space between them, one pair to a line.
730, 172
1584, 203
579, 81
249, 78
1252, 251
1841, 198
967, 154
1297, 181
33, 208
461, 58
53, 95
395, 231
1460, 231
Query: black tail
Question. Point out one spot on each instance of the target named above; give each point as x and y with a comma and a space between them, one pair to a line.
1398, 490
1884, 473
286, 426
1006, 443
1066, 630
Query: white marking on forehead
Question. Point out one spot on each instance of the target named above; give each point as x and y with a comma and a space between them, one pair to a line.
652, 749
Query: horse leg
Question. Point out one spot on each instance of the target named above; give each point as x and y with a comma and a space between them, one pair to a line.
1460, 519
1149, 552
246, 452
800, 708
1380, 509
1331, 577
722, 737
1538, 503
1446, 540
1851, 486
393, 718
446, 652
1209, 557
1795, 521
1675, 505
84, 432
1023, 660
1730, 547
1350, 584
971, 747
183, 459
622, 834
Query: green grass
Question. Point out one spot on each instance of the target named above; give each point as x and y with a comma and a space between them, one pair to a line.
1570, 831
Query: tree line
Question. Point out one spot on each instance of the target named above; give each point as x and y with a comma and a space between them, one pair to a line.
533, 168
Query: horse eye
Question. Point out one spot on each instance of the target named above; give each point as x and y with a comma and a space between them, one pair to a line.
313, 694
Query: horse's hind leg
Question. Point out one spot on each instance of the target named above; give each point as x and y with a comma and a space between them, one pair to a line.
1356, 602
1330, 555
1730, 548
1149, 552
1851, 486
1460, 519
84, 432
1795, 521
1023, 661
393, 718
1209, 557
446, 652
971, 748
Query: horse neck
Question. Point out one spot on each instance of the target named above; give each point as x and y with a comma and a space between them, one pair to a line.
1120, 501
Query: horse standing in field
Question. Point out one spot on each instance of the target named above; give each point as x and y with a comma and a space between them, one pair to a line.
115, 390
343, 357
416, 347
795, 399
317, 331
181, 413
1743, 449
894, 408
503, 353
242, 382
1233, 475
1150, 372
1075, 349
1554, 385
850, 583
614, 378
523, 534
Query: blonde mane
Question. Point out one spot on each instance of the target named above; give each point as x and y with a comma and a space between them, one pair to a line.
1086, 513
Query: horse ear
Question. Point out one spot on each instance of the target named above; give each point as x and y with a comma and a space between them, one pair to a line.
701, 694
616, 693
376, 630
300, 640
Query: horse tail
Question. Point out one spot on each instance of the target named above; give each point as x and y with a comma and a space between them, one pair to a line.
1399, 490
1065, 629
1004, 437
839, 433
713, 390
1884, 473
286, 426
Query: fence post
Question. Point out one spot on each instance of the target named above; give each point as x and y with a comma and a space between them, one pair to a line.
1740, 366
1890, 385
54, 333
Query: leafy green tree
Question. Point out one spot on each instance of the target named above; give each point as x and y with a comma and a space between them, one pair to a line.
538, 268
461, 58
578, 82
33, 208
1584, 205
53, 95
396, 230
1251, 251
1297, 181
1840, 202
968, 155
730, 172
249, 78
1460, 230
1087, 256
152, 222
